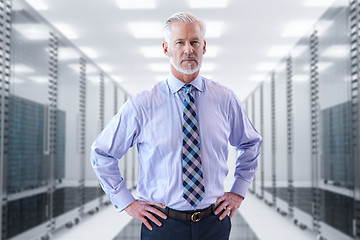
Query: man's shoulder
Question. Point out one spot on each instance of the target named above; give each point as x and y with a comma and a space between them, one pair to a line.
212, 86
150, 95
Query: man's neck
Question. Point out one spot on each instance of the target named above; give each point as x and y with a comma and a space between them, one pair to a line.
186, 78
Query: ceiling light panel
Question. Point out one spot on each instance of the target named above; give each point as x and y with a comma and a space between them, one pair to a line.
66, 53
318, 3
20, 68
336, 51
68, 31
209, 4
297, 29
32, 31
214, 29
159, 67
39, 5
265, 66
105, 67
279, 51
152, 52
256, 78
90, 52
136, 4
146, 29
211, 51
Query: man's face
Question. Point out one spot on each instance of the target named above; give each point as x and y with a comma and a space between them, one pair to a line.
186, 47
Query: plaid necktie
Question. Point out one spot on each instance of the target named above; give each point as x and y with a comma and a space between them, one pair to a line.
193, 181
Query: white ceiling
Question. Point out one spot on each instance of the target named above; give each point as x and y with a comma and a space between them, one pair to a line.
250, 30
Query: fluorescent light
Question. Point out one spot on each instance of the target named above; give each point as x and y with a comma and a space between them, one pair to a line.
105, 67
159, 67
208, 3
298, 50
336, 51
297, 28
32, 31
91, 69
39, 5
66, 53
136, 4
211, 51
207, 67
20, 68
146, 29
93, 79
214, 29
39, 79
301, 78
67, 30
15, 80
265, 66
318, 3
278, 51
256, 78
152, 52
90, 52
117, 78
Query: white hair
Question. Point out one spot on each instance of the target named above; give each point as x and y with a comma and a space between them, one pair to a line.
184, 17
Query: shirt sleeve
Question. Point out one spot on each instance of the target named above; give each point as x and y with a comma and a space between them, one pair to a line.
112, 143
247, 142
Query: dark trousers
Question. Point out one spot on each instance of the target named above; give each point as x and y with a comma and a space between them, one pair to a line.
209, 228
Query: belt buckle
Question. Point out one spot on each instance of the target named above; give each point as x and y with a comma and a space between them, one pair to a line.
195, 217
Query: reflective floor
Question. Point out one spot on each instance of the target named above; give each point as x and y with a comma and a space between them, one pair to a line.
240, 230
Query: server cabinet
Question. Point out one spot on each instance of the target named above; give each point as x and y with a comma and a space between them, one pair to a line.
27, 179
258, 125
68, 190
267, 145
336, 164
281, 163
302, 211
94, 124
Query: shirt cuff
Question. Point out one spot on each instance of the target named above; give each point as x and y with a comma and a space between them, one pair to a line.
122, 199
240, 187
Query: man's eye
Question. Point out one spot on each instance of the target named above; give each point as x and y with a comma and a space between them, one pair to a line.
177, 43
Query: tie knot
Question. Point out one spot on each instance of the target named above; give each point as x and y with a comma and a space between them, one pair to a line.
188, 88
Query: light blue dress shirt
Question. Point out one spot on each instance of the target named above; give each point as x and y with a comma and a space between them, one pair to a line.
153, 120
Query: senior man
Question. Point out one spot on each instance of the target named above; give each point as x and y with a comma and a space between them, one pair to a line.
182, 127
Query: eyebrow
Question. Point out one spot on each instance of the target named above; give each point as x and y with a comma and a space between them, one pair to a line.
182, 39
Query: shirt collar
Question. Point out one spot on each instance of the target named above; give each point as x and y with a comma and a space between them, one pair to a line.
175, 84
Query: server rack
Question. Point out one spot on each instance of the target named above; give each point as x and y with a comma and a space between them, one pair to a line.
44, 100
321, 74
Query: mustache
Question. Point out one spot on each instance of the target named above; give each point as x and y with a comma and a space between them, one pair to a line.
190, 56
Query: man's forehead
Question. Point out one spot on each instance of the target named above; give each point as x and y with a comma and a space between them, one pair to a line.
188, 30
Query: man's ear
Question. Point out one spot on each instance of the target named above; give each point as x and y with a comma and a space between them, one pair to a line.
204, 50
165, 46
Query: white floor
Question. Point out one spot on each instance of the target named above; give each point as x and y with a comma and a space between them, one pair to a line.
264, 221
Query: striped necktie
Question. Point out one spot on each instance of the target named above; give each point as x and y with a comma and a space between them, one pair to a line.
193, 181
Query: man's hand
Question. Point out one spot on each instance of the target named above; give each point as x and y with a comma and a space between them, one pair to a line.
143, 209
230, 202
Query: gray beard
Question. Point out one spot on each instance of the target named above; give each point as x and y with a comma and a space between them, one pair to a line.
189, 71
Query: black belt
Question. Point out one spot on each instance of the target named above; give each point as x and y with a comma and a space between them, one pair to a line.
193, 216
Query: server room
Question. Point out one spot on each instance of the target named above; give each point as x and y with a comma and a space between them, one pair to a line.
68, 67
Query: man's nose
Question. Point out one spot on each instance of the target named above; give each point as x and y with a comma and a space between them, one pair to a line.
188, 48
